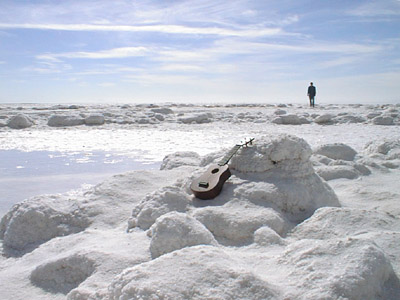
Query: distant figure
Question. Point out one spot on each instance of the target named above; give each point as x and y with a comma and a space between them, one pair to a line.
311, 94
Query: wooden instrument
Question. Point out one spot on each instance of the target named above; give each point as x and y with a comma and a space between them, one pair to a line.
209, 185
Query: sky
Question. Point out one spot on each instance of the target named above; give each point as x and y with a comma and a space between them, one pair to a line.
246, 51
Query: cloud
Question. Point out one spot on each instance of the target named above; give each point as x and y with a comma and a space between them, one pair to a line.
233, 46
289, 20
340, 61
106, 84
200, 55
108, 69
168, 29
122, 52
219, 48
377, 9
182, 68
48, 68
150, 79
242, 56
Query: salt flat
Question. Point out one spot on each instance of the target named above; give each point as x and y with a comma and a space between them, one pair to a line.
310, 211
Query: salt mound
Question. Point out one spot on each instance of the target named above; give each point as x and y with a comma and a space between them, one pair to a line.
336, 172
159, 117
337, 151
20, 121
177, 159
394, 154
278, 173
288, 153
196, 118
280, 112
200, 272
265, 236
63, 275
290, 120
319, 160
162, 110
335, 222
237, 221
379, 228
175, 231
296, 198
383, 154
38, 220
156, 204
325, 119
346, 118
329, 168
373, 114
383, 147
67, 120
147, 120
95, 119
383, 120
357, 269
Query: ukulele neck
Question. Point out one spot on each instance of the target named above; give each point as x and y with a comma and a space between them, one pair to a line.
229, 155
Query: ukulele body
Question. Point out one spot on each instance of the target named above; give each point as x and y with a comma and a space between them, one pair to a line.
209, 185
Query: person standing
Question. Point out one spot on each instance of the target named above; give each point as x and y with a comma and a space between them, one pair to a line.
311, 94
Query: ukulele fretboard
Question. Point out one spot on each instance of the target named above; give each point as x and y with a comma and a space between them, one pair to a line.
229, 155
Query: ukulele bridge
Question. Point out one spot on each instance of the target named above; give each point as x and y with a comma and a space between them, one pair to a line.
203, 184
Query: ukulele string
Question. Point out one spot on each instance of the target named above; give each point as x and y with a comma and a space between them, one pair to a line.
230, 154
233, 151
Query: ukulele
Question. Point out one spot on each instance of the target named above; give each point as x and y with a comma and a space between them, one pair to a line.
209, 185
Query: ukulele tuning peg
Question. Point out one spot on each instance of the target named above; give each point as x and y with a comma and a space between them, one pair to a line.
249, 142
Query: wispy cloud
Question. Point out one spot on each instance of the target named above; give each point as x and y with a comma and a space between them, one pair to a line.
150, 79
169, 29
377, 9
206, 59
122, 52
174, 55
340, 61
48, 68
182, 68
106, 84
246, 47
108, 69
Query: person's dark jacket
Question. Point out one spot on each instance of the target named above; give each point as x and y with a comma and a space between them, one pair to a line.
312, 91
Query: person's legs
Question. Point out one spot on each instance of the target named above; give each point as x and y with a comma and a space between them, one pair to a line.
313, 101
310, 100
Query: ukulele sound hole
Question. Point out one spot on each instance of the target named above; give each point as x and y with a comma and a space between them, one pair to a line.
216, 170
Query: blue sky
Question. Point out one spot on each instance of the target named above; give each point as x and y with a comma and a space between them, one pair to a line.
199, 51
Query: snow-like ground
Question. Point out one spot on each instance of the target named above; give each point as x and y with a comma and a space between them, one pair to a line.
310, 212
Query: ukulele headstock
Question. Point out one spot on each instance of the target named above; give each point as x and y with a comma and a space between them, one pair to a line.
247, 142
